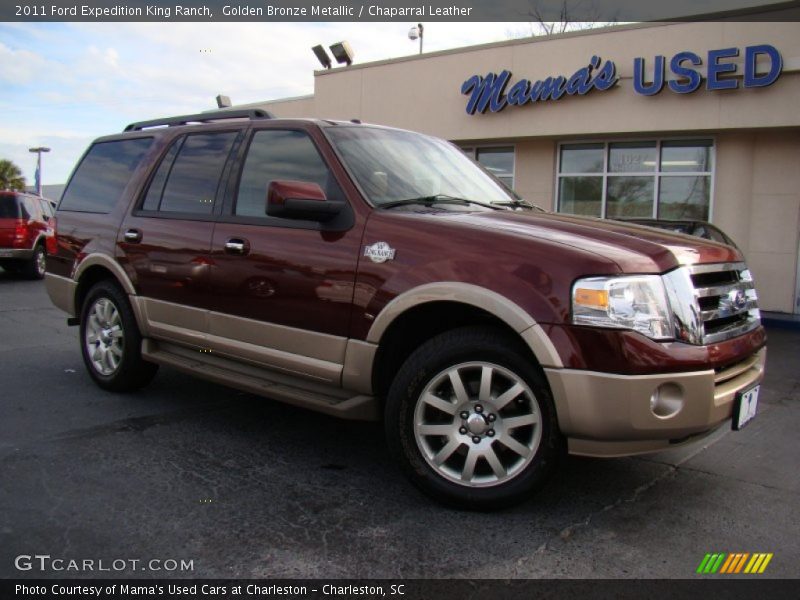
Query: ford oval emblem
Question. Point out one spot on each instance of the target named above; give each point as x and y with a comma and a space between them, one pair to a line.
737, 299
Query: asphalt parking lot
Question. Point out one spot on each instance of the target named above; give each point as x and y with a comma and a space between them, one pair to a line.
245, 487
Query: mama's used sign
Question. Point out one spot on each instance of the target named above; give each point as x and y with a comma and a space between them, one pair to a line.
492, 92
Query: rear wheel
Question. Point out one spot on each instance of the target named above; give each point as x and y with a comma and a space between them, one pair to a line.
471, 420
111, 341
35, 267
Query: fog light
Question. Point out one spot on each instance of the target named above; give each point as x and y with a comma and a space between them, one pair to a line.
667, 400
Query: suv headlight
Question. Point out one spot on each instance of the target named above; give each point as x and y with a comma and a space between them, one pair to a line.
637, 302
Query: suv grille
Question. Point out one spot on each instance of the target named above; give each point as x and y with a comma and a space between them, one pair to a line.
726, 300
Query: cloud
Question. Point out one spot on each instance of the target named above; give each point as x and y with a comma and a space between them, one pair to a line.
19, 66
76, 81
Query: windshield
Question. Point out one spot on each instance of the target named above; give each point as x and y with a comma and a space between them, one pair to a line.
392, 166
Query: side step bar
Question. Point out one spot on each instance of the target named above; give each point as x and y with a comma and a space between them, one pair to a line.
277, 386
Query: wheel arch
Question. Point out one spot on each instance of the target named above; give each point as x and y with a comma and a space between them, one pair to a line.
418, 314
98, 267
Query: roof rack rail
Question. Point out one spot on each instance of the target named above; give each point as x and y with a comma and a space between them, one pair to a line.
214, 115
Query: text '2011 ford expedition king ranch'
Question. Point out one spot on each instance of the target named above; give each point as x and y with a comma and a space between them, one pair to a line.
370, 273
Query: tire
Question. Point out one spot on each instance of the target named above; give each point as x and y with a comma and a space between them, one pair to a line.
111, 342
35, 267
483, 445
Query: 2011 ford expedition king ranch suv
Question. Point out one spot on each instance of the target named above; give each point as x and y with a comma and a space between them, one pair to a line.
374, 273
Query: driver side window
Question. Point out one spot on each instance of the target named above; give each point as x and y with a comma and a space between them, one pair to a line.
276, 154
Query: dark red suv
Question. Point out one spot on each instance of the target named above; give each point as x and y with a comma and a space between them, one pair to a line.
375, 273
27, 233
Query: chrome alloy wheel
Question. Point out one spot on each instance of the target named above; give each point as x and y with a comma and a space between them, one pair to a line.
41, 263
477, 424
104, 337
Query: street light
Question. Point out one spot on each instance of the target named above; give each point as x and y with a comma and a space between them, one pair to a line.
38, 152
416, 32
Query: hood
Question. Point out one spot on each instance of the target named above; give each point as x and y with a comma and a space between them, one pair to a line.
634, 248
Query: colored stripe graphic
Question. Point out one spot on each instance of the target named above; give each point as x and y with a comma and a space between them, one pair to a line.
757, 558
726, 567
766, 562
740, 558
736, 562
703, 563
718, 562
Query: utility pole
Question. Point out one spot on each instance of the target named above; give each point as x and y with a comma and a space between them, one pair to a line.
38, 178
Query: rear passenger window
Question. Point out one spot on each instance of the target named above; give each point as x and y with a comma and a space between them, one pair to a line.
284, 155
9, 209
30, 207
47, 208
101, 177
188, 177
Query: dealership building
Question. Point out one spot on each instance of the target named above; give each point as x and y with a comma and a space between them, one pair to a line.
670, 120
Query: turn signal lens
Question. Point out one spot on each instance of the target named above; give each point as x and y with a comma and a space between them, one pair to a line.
591, 298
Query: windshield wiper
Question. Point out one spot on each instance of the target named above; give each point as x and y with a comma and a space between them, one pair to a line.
519, 203
437, 199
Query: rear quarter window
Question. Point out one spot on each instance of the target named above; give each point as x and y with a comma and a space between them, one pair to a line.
9, 209
101, 177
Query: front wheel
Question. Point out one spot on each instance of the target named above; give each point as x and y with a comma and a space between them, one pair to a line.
472, 421
111, 342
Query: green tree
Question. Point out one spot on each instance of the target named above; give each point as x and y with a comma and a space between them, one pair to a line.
10, 176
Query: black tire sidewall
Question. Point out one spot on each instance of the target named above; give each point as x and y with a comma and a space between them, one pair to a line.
446, 350
31, 268
132, 371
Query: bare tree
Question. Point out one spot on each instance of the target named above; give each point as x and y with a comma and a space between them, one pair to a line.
572, 15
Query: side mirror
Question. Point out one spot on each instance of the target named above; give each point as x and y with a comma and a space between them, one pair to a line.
300, 200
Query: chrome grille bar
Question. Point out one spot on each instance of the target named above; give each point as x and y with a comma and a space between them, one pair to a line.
727, 305
722, 290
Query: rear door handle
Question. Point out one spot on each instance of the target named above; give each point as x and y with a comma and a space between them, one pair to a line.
237, 246
134, 236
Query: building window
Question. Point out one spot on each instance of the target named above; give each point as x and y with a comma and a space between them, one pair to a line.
664, 179
499, 161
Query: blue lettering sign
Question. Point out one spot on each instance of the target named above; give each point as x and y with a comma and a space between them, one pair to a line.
691, 76
489, 92
639, 86
751, 53
715, 68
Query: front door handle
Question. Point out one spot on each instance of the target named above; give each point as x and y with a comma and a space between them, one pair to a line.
237, 246
134, 236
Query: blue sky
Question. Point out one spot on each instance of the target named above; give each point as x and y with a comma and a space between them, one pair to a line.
66, 83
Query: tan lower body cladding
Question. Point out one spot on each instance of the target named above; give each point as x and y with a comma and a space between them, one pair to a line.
603, 414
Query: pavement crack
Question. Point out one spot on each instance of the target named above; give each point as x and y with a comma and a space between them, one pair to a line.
723, 476
567, 532
670, 470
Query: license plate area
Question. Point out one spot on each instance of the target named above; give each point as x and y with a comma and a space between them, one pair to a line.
745, 407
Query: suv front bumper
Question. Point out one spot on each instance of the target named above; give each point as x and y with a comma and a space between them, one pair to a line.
604, 414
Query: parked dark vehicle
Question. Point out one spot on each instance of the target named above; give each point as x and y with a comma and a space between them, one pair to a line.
375, 273
27, 233
703, 229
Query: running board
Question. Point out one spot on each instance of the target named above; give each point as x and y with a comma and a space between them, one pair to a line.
262, 382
